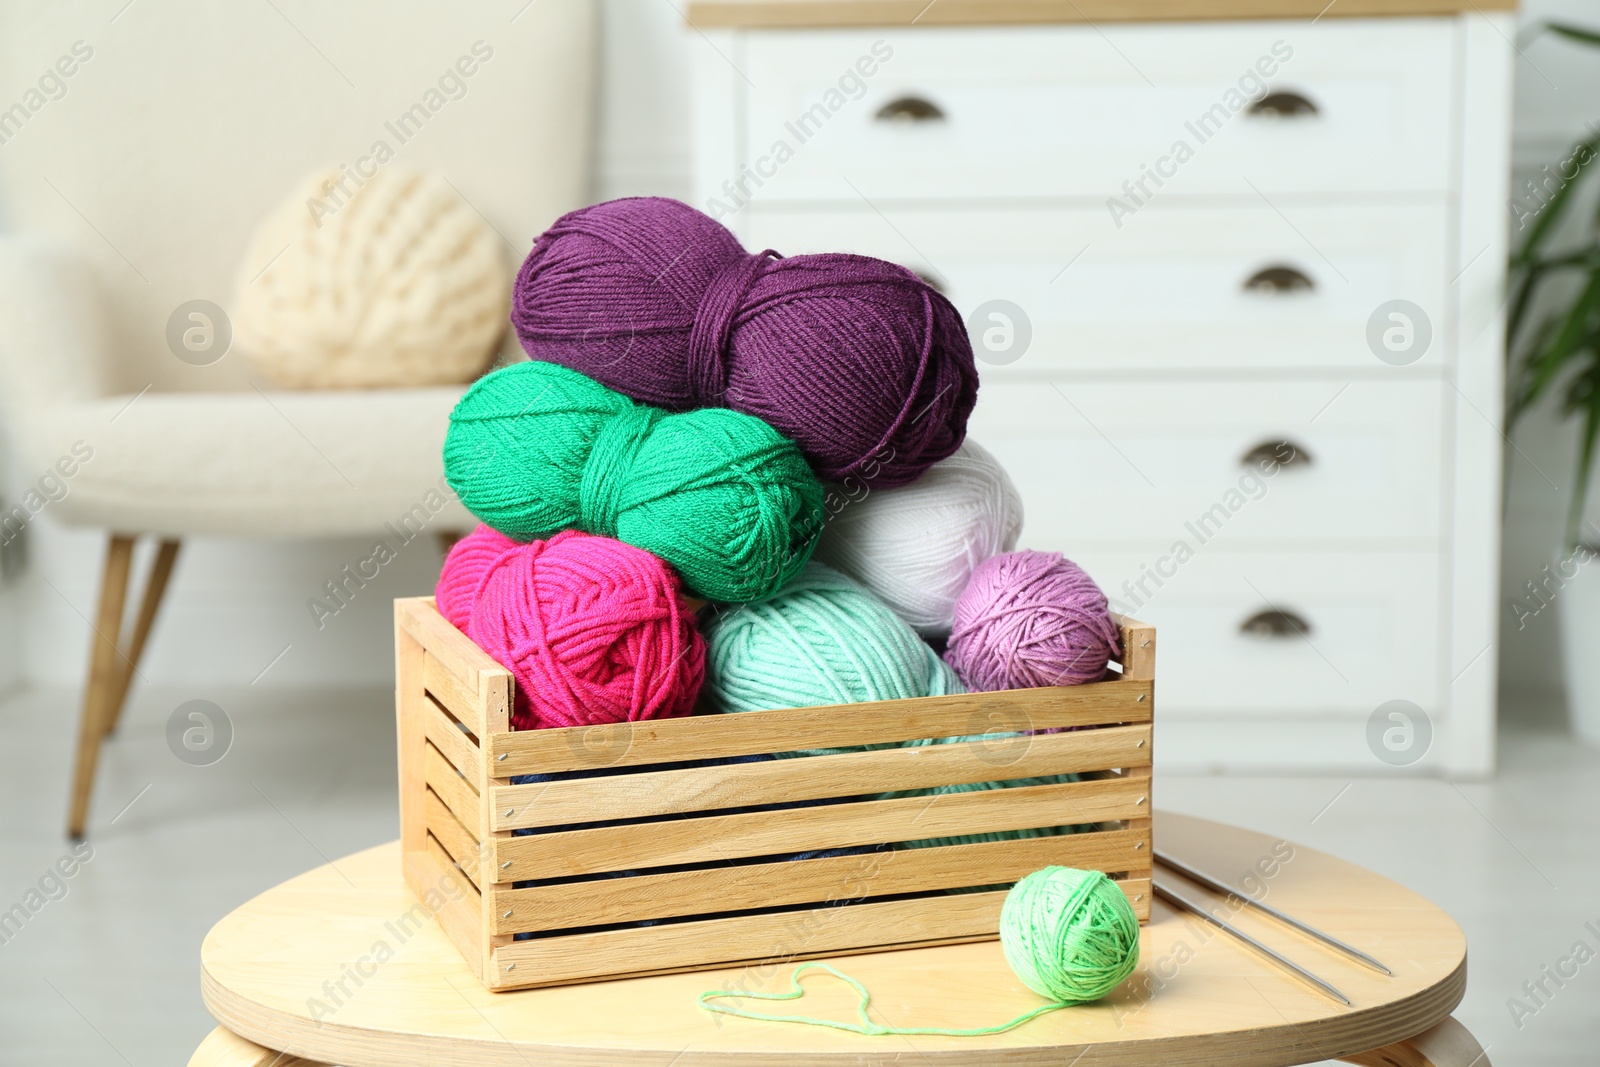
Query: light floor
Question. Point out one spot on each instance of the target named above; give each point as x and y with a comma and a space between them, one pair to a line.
109, 974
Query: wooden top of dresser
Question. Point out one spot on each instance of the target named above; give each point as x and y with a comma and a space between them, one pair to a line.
819, 14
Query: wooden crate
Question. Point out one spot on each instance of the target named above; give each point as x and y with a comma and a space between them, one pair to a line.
458, 811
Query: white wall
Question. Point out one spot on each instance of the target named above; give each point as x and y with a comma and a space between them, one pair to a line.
187, 121
243, 603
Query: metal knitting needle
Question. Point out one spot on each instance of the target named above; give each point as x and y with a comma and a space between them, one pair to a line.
1188, 905
1222, 887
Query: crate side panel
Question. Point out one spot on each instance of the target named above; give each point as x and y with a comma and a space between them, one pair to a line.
783, 937
767, 833
453, 743
457, 840
465, 703
410, 735
660, 741
784, 884
432, 871
421, 619
640, 795
448, 784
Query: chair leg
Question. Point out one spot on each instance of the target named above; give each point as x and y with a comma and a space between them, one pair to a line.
155, 587
104, 671
1449, 1044
224, 1048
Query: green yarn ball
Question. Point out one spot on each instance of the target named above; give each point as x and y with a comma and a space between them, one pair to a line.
535, 448
1069, 935
820, 640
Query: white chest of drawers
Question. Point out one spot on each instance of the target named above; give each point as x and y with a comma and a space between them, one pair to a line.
1196, 229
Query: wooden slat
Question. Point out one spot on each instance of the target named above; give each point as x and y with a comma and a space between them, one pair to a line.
462, 919
462, 702
632, 796
769, 833
408, 701
457, 793
495, 693
882, 722
445, 866
452, 648
1138, 649
781, 937
447, 737
456, 838
743, 888
1137, 890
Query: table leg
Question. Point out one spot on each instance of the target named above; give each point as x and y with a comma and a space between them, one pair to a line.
224, 1048
1447, 1045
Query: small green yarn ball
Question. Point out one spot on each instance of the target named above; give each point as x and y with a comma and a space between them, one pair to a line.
535, 448
1069, 935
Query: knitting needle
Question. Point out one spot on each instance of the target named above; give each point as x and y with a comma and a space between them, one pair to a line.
1190, 906
1222, 887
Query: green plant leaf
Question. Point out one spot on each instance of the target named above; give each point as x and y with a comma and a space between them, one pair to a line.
1581, 34
1584, 396
1522, 289
1545, 366
1551, 213
1519, 398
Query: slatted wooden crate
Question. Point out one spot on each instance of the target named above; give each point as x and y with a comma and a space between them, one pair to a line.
707, 858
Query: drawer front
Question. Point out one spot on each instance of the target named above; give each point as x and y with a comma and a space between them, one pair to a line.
1179, 287
1270, 633
1101, 464
1079, 110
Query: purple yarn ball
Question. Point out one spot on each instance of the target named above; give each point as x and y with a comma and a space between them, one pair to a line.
1029, 619
860, 362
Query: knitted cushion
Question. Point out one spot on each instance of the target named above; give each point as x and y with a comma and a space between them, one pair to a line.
397, 282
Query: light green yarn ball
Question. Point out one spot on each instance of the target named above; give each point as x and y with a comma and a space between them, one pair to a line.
820, 640
1069, 935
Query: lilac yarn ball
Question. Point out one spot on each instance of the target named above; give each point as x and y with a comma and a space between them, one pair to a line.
1031, 619
858, 361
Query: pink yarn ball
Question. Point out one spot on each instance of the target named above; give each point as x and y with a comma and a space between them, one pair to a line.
468, 560
594, 631
1029, 619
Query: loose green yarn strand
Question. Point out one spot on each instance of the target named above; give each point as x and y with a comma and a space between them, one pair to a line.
864, 1000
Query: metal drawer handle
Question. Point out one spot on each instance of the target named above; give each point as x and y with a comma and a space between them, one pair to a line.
1279, 278
1281, 453
1284, 104
910, 109
1274, 623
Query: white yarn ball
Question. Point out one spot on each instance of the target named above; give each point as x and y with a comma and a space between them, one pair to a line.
397, 283
916, 546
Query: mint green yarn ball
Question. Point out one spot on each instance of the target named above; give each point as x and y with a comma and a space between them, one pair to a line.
1069, 935
535, 448
820, 640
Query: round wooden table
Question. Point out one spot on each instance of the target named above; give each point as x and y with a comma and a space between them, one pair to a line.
325, 968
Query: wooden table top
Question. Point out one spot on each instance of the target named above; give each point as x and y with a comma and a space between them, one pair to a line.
272, 971
820, 14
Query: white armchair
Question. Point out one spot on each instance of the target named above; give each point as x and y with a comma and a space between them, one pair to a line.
171, 465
